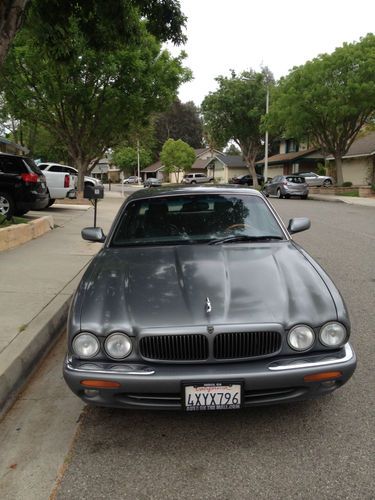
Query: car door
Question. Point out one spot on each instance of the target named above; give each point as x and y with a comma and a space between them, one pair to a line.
273, 185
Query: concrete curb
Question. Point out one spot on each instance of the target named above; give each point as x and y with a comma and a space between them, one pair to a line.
18, 234
329, 200
21, 358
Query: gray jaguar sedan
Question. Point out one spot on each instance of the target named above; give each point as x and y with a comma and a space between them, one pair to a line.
200, 300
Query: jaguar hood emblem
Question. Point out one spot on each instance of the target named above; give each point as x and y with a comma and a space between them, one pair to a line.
208, 305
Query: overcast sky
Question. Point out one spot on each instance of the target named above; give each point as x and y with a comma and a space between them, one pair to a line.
280, 34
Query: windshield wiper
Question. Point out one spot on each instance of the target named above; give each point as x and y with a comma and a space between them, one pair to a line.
243, 237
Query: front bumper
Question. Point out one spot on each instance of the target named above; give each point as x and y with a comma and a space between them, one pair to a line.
159, 386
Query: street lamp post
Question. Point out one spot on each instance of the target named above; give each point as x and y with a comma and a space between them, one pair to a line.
138, 164
265, 171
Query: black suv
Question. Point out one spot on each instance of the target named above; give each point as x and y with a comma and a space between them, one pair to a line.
22, 186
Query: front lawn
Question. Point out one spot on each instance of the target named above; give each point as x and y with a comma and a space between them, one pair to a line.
14, 220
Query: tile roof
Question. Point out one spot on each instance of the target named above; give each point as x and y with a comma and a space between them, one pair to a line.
231, 160
289, 157
154, 167
364, 145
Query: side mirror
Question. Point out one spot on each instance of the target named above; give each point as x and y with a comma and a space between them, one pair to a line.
298, 224
93, 234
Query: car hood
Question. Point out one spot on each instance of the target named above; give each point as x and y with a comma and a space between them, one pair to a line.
137, 288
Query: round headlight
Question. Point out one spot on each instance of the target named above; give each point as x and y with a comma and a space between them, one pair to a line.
118, 345
86, 345
333, 334
301, 338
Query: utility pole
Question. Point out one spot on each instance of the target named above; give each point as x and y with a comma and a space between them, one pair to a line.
265, 171
138, 163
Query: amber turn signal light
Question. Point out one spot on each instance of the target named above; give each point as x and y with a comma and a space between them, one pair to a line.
100, 384
319, 377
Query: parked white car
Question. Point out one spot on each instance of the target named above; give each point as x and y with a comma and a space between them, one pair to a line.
133, 179
196, 178
61, 183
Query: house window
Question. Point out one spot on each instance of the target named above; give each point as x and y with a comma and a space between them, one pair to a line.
295, 168
291, 146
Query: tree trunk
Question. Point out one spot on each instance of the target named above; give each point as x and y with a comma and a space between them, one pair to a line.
339, 174
11, 14
82, 166
250, 163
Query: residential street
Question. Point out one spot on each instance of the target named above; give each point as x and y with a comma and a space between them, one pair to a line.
312, 450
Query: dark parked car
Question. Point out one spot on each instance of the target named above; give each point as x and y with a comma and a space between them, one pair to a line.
285, 186
246, 179
22, 186
201, 300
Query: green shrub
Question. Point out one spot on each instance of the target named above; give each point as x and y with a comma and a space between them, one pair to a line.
373, 188
321, 170
347, 184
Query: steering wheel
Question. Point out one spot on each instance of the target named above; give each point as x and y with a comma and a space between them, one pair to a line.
236, 226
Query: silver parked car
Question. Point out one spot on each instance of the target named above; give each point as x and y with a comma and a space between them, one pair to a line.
313, 179
200, 300
151, 182
285, 186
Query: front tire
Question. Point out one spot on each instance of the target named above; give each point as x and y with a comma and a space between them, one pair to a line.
7, 206
327, 183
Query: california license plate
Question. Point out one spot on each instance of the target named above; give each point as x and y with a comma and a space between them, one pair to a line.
214, 396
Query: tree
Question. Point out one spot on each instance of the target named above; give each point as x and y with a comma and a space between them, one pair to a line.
11, 15
89, 100
126, 158
234, 112
103, 23
329, 99
177, 157
181, 121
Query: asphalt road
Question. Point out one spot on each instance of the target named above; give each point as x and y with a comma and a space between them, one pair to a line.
312, 450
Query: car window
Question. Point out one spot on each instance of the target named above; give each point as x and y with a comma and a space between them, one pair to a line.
295, 179
32, 165
57, 168
9, 165
194, 219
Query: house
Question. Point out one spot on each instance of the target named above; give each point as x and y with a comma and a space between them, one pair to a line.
7, 146
105, 171
154, 170
203, 156
293, 158
358, 165
223, 167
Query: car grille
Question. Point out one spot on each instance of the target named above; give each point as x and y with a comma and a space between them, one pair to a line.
175, 347
246, 344
195, 347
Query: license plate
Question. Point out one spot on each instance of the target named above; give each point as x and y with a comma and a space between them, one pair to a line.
214, 396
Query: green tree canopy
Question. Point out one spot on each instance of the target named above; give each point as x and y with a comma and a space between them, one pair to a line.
235, 111
181, 121
329, 99
177, 157
103, 23
126, 158
92, 98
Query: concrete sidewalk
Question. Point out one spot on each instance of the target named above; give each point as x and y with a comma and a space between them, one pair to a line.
352, 200
37, 281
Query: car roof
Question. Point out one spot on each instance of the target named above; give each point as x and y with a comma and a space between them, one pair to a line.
14, 156
178, 189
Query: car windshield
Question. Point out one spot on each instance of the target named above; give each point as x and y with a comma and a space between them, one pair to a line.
187, 219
